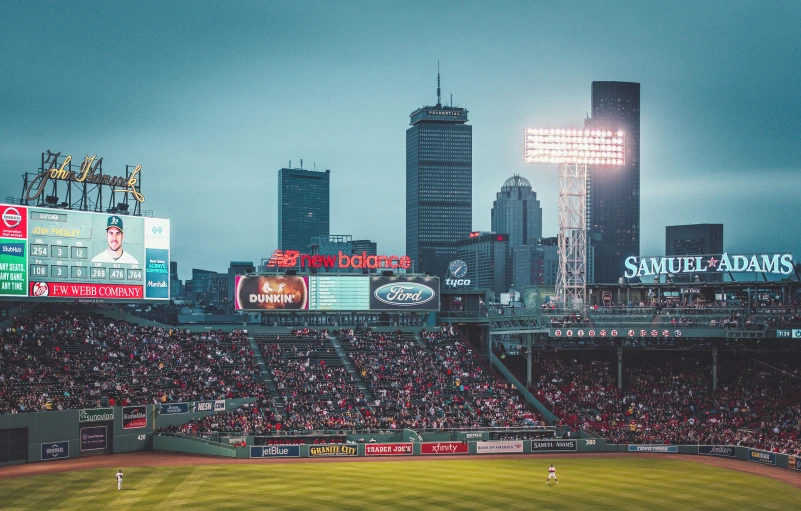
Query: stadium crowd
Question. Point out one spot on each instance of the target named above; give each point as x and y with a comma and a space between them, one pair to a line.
57, 360
671, 400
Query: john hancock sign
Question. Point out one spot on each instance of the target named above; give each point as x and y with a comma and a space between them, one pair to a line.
91, 173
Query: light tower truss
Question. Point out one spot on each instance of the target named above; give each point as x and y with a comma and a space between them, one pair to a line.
573, 150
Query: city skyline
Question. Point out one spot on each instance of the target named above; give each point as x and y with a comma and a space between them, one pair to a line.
211, 114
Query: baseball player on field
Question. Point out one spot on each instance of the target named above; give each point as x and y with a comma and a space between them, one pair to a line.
119, 479
551, 474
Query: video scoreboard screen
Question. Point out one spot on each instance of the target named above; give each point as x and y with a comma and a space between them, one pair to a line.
57, 253
336, 293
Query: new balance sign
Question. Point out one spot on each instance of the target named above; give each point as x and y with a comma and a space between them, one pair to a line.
553, 445
55, 451
499, 446
275, 451
717, 450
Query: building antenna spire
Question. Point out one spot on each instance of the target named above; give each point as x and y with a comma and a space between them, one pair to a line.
439, 102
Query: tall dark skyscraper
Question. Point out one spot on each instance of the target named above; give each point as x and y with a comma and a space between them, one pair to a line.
695, 239
303, 207
613, 192
439, 185
517, 211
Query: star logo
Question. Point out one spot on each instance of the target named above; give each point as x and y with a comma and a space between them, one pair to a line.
713, 263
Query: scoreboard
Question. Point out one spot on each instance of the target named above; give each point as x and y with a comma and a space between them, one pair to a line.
57, 253
336, 293
339, 294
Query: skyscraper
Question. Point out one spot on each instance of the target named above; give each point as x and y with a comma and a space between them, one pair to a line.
695, 239
517, 211
439, 185
303, 207
613, 192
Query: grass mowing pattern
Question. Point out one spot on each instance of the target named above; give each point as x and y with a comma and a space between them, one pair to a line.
508, 484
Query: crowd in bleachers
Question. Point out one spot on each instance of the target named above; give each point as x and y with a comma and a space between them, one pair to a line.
246, 419
56, 360
316, 395
671, 400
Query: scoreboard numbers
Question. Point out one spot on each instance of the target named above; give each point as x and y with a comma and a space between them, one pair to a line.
116, 274
58, 271
78, 252
97, 273
134, 274
59, 251
40, 250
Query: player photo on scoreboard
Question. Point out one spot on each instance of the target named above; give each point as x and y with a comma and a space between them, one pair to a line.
117, 239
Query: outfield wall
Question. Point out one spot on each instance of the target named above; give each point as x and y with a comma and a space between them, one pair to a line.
81, 433
96, 431
545, 446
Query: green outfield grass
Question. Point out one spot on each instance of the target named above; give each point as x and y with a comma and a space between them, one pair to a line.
508, 484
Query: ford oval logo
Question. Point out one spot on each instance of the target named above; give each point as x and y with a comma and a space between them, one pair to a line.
405, 294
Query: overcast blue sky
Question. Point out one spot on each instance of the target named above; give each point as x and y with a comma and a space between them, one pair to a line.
212, 98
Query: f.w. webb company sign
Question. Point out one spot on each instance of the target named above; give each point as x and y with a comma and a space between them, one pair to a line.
737, 263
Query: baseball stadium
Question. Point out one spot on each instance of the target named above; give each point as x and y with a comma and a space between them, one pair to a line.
352, 382
381, 390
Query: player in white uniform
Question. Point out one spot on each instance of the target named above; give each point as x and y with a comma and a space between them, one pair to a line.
551, 475
119, 479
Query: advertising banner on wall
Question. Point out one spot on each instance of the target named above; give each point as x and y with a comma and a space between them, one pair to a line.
174, 408
654, 448
271, 293
96, 415
275, 451
94, 438
727, 451
553, 445
499, 446
134, 417
55, 450
444, 448
768, 458
387, 449
203, 406
332, 450
404, 293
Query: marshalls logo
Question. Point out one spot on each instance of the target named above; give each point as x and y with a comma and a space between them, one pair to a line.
11, 217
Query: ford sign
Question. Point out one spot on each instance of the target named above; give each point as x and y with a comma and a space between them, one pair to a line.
405, 294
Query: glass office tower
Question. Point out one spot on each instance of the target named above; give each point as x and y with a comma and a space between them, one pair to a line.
439, 185
303, 207
613, 192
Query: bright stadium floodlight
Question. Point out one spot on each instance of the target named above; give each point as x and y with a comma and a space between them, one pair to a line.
592, 147
573, 150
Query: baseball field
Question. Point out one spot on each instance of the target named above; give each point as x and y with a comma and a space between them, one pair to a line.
621, 482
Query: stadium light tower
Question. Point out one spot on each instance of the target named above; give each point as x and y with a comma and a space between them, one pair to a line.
573, 150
